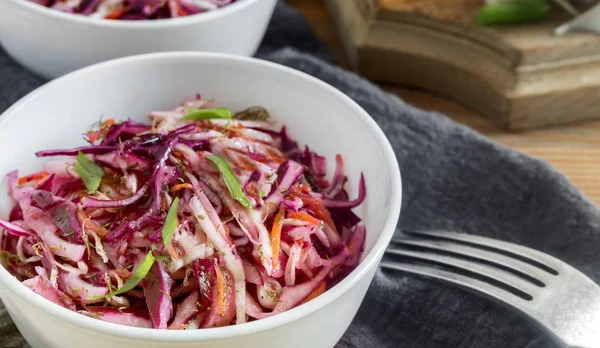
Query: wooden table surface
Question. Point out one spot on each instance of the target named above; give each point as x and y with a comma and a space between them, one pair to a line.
572, 149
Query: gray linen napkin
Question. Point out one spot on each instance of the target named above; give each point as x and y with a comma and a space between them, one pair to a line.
454, 179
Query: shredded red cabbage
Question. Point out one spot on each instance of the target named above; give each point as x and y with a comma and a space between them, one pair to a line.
134, 9
183, 224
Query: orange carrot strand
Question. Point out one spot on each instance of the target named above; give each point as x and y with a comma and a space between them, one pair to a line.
182, 186
220, 290
304, 217
316, 292
32, 177
276, 235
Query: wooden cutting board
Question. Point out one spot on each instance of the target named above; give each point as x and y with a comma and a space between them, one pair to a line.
519, 76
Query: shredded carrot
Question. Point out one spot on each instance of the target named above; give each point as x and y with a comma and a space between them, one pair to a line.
123, 273
252, 192
220, 290
240, 162
90, 225
244, 165
164, 205
324, 215
94, 227
93, 136
320, 211
353, 246
173, 252
201, 155
276, 235
304, 188
32, 177
179, 274
316, 292
177, 154
182, 186
115, 14
304, 217
274, 156
247, 163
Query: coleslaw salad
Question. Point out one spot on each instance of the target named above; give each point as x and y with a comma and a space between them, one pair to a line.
202, 218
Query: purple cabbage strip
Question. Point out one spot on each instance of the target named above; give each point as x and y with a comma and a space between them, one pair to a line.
127, 316
362, 192
15, 230
186, 310
288, 146
136, 9
161, 176
89, 6
46, 185
91, 150
63, 212
157, 288
91, 202
287, 174
15, 214
128, 128
70, 187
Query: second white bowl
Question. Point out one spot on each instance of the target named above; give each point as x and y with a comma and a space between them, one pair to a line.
52, 43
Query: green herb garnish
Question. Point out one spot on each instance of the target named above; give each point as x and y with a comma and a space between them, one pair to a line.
90, 172
207, 114
138, 275
170, 223
231, 181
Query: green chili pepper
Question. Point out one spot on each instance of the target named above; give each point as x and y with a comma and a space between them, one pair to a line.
231, 181
513, 11
138, 275
207, 114
171, 222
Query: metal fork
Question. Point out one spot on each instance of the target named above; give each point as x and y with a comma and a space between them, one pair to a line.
555, 296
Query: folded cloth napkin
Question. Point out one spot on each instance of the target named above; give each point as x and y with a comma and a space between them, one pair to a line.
454, 179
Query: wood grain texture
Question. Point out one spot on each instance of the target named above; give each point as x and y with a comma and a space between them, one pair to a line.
572, 149
520, 76
524, 45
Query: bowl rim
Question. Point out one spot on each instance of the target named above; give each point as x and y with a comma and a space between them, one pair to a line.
133, 24
369, 261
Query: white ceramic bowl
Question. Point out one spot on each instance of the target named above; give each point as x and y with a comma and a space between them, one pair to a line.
55, 115
52, 43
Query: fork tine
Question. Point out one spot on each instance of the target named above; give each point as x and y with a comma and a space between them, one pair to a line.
484, 256
468, 283
544, 261
482, 270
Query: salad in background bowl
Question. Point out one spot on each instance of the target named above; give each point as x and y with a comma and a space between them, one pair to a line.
313, 113
134, 9
51, 42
